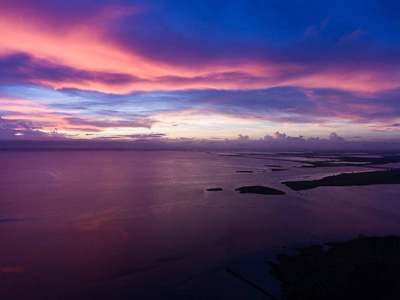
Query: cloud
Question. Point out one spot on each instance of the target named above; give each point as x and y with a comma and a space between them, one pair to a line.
83, 129
279, 136
16, 130
17, 124
353, 36
283, 137
313, 31
334, 137
144, 123
289, 104
243, 137
24, 68
144, 136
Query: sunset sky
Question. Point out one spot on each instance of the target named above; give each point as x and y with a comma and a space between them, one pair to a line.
200, 70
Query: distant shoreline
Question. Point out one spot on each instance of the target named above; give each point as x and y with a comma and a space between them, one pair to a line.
391, 176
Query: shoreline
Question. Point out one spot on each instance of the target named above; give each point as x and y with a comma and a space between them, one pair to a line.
391, 176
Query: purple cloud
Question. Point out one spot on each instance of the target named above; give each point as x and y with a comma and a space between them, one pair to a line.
20, 130
243, 138
144, 123
23, 68
334, 137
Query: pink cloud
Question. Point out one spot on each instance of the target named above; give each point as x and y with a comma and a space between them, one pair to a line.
86, 45
279, 136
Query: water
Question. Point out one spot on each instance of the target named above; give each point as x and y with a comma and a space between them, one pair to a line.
124, 225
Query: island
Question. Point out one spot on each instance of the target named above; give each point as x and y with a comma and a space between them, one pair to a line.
214, 189
259, 189
391, 176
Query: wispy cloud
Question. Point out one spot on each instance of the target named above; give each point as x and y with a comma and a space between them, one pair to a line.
109, 123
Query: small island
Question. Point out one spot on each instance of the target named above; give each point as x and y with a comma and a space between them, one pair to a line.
258, 189
244, 171
214, 189
391, 176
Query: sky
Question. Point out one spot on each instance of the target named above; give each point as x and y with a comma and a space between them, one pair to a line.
201, 71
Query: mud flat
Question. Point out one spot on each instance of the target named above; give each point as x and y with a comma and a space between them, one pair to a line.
348, 161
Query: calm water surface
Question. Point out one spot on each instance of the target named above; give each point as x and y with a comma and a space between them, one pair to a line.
141, 225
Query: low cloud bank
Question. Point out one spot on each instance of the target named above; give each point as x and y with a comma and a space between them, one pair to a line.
158, 141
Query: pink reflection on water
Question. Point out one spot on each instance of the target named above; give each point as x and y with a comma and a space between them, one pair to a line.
14, 270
